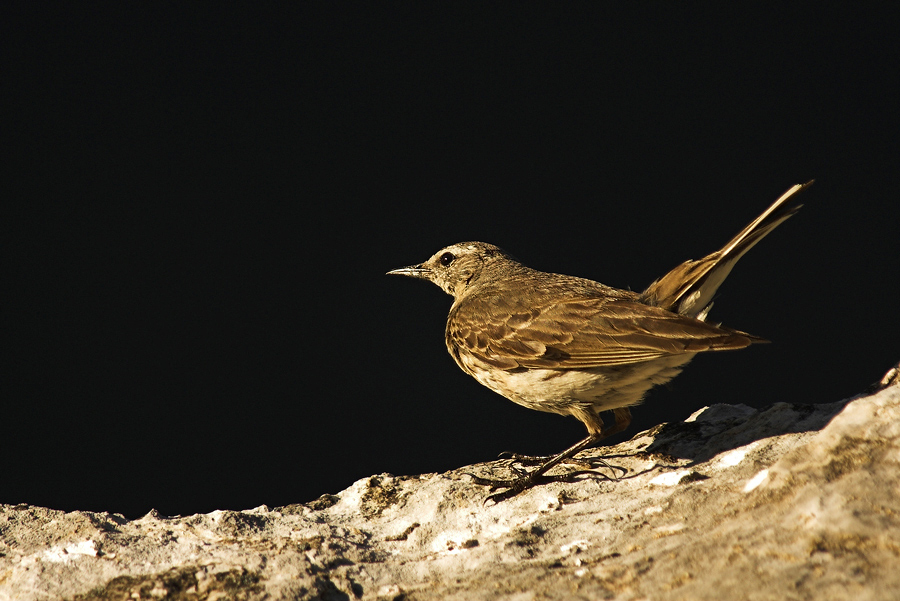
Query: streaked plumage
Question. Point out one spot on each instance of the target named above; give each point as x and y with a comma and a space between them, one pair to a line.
573, 346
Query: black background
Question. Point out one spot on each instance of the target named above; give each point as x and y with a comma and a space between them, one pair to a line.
200, 204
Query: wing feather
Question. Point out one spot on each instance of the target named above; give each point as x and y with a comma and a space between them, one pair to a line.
577, 333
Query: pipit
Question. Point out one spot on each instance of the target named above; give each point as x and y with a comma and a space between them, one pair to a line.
573, 346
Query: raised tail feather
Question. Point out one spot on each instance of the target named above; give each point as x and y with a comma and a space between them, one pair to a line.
689, 288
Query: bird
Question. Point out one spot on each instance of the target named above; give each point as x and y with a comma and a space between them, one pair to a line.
573, 346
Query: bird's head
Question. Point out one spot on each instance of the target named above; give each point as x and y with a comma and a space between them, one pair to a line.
457, 267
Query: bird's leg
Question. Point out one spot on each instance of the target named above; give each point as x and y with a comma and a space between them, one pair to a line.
528, 479
623, 420
559, 458
596, 432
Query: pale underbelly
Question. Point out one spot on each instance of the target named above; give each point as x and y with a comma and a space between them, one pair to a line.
559, 390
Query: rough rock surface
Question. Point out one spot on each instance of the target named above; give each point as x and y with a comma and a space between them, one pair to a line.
788, 502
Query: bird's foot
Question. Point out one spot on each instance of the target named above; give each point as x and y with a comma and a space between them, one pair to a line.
585, 463
513, 487
525, 459
526, 480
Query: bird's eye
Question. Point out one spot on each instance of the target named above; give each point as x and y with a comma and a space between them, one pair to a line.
447, 258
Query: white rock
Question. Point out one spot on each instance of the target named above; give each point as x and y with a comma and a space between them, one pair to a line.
791, 501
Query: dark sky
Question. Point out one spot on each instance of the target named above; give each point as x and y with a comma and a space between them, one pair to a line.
200, 205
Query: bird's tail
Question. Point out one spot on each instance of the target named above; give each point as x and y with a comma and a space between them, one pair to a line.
689, 288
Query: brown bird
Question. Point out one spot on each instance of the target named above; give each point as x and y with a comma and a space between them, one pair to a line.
572, 346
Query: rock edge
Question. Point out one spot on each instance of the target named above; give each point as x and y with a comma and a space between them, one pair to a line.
790, 501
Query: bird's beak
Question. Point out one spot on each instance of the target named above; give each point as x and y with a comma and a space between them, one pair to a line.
413, 271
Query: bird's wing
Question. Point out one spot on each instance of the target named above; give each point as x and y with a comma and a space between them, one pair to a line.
576, 333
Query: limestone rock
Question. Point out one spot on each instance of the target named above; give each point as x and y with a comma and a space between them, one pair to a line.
791, 501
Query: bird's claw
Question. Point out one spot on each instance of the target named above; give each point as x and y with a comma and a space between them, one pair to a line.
526, 481
513, 488
586, 463
524, 459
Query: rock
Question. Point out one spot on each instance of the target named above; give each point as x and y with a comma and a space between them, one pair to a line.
791, 501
